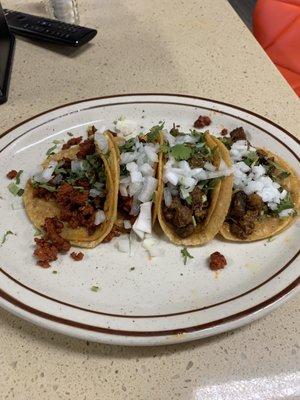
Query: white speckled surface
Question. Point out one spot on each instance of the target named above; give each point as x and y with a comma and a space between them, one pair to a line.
163, 46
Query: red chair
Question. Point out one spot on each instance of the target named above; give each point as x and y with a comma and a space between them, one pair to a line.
276, 26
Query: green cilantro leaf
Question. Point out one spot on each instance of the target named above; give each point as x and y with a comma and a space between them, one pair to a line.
50, 151
127, 146
285, 204
18, 176
165, 148
37, 232
181, 152
251, 158
5, 236
153, 135
54, 272
45, 186
185, 254
15, 189
70, 134
95, 289
189, 200
226, 141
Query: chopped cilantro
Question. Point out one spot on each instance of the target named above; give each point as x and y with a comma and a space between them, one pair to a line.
80, 188
70, 134
44, 186
276, 170
209, 184
95, 288
15, 189
285, 204
5, 236
271, 238
251, 158
189, 200
18, 176
181, 152
174, 131
185, 254
153, 135
132, 269
226, 141
37, 232
165, 148
127, 146
123, 170
54, 272
50, 151
56, 141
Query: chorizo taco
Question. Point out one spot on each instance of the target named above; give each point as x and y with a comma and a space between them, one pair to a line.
137, 167
266, 192
76, 186
195, 186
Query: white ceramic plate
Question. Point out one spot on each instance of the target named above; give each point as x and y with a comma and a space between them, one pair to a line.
160, 301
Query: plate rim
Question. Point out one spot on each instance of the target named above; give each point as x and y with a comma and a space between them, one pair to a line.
271, 301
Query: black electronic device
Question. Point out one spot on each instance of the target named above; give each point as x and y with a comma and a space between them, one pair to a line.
7, 41
49, 30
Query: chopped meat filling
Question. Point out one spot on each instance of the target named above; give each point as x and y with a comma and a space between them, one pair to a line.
115, 232
72, 142
238, 134
181, 215
12, 174
224, 132
243, 213
45, 252
51, 244
202, 121
217, 261
86, 148
77, 256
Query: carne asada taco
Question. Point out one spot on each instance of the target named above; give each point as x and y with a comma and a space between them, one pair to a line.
76, 185
266, 192
195, 185
137, 168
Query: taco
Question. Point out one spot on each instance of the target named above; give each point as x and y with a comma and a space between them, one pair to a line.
138, 159
266, 192
76, 186
195, 185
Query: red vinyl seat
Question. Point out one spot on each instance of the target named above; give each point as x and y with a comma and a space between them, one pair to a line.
276, 26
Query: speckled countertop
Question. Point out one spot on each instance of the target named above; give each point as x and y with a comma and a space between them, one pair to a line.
191, 47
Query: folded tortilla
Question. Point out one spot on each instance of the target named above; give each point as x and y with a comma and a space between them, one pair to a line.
39, 209
219, 201
270, 226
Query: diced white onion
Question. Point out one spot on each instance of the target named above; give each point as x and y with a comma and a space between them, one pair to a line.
167, 197
126, 127
134, 188
151, 153
127, 157
127, 224
76, 165
286, 213
132, 166
147, 170
209, 166
47, 174
143, 222
150, 245
123, 189
123, 244
136, 176
102, 142
94, 192
99, 217
149, 187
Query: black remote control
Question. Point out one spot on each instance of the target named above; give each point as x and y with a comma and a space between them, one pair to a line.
49, 30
